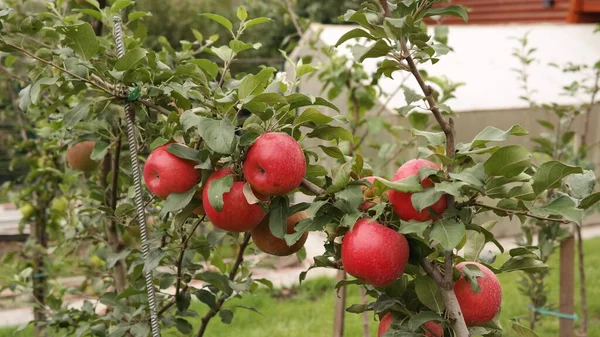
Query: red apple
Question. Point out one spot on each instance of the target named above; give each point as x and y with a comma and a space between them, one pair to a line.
274, 164
434, 329
165, 173
369, 197
482, 307
374, 253
237, 214
78, 156
270, 244
402, 203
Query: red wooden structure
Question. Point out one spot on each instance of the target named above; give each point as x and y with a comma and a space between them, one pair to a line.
528, 11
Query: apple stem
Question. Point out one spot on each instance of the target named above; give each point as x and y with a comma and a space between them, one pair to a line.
238, 262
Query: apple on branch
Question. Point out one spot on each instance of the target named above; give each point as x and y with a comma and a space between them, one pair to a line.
79, 156
270, 244
374, 253
401, 201
274, 164
236, 215
165, 173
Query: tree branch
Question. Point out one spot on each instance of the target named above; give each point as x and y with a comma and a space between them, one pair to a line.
525, 213
314, 189
386, 8
238, 262
446, 126
290, 9
184, 245
26, 52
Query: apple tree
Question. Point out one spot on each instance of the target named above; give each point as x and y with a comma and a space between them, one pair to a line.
211, 173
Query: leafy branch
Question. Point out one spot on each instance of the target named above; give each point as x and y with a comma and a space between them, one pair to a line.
238, 262
443, 281
525, 213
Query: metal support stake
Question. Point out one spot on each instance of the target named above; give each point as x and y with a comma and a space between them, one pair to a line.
137, 184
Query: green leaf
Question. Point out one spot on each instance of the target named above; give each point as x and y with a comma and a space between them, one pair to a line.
270, 98
302, 100
333, 152
433, 138
415, 321
408, 227
183, 326
206, 297
278, 214
153, 259
450, 187
328, 132
524, 263
209, 67
522, 331
219, 135
224, 53
562, 206
255, 84
216, 189
476, 241
379, 49
257, 21
76, 114
448, 232
217, 280
492, 134
141, 329
312, 115
130, 59
471, 273
550, 174
120, 4
220, 20
340, 176
100, 150
31, 25
426, 198
81, 38
406, 185
589, 201
183, 301
581, 185
354, 34
429, 293
177, 201
304, 69
242, 14
411, 96
458, 11
508, 161
184, 152
226, 316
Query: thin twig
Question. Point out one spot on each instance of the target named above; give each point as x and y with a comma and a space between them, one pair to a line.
290, 9
240, 258
314, 189
26, 52
184, 245
154, 106
525, 213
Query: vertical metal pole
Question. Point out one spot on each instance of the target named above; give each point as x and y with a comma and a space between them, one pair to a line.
137, 184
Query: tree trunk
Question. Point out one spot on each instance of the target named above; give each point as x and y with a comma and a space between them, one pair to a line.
582, 286
365, 315
39, 277
340, 306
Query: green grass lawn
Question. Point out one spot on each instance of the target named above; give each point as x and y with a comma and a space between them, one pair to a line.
309, 312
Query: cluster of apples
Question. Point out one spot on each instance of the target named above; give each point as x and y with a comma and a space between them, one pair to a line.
378, 255
274, 165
